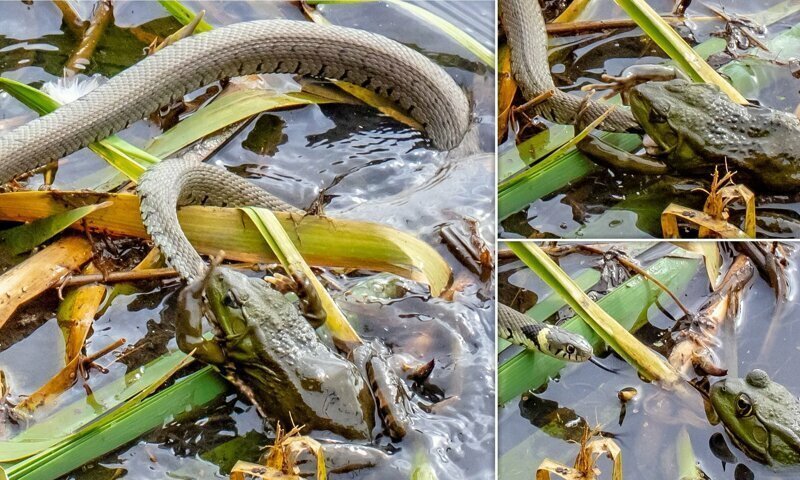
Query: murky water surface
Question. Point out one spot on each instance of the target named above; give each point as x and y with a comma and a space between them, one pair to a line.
367, 165
604, 204
530, 424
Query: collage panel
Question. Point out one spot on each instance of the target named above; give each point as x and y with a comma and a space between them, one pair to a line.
675, 360
702, 136
247, 239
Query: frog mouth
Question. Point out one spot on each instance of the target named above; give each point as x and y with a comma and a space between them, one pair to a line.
757, 454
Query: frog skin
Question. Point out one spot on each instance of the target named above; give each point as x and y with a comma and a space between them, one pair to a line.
761, 417
274, 357
695, 127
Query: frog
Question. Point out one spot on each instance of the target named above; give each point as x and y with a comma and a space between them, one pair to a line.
761, 417
694, 127
272, 354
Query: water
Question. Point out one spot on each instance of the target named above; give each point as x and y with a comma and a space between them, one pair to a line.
605, 204
368, 166
654, 420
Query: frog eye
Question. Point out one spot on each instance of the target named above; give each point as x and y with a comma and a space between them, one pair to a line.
230, 300
744, 406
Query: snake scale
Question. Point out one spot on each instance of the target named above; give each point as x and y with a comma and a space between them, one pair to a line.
551, 340
526, 34
419, 86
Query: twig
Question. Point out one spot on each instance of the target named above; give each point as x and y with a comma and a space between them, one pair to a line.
103, 15
627, 263
71, 18
599, 25
117, 277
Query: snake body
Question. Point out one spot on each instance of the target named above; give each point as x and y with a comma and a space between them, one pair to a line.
526, 34
551, 340
420, 87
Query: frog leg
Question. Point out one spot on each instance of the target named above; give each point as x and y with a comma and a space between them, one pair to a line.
612, 157
245, 390
389, 390
340, 458
632, 76
310, 301
391, 396
189, 326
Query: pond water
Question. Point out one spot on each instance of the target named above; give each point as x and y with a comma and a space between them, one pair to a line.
530, 424
604, 204
367, 165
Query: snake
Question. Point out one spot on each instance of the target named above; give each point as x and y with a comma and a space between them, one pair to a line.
551, 340
526, 36
394, 71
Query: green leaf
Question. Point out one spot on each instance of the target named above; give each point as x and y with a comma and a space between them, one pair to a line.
226, 110
123, 426
676, 47
553, 173
69, 419
184, 14
32, 98
461, 37
628, 302
24, 238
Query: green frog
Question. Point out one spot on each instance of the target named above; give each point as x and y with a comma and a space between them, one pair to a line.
273, 356
761, 417
693, 127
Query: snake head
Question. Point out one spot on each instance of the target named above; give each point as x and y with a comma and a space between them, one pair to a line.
568, 346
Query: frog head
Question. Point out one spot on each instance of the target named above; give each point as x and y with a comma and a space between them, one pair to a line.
760, 416
681, 118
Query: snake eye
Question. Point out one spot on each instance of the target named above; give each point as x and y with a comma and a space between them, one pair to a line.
230, 300
744, 406
571, 349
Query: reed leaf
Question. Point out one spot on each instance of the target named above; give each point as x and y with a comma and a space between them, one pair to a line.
321, 241
665, 37
462, 38
628, 302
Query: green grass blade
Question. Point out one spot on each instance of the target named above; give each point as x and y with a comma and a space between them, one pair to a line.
224, 111
32, 98
24, 238
69, 419
517, 157
462, 38
678, 50
184, 14
554, 173
174, 402
628, 302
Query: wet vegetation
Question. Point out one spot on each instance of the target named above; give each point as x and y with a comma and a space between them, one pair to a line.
719, 318
549, 188
92, 382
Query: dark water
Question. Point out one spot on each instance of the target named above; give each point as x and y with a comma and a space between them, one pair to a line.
609, 205
654, 420
369, 167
